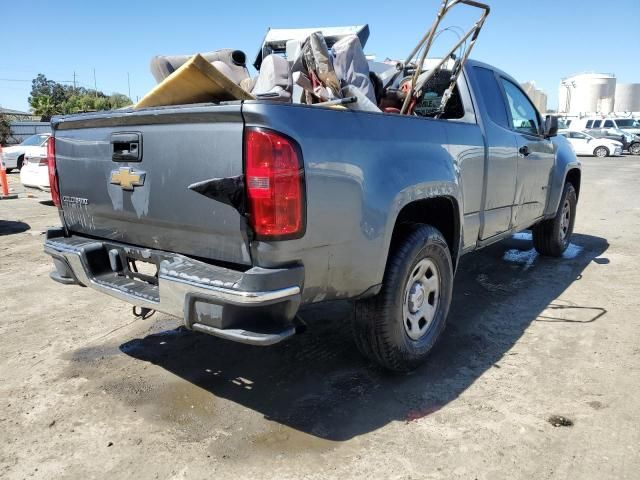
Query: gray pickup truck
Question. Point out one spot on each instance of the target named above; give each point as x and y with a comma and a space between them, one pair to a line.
235, 216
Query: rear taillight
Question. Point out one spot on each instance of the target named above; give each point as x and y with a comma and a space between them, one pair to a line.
43, 162
53, 173
275, 185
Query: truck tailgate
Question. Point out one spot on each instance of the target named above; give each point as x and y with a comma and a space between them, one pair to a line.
108, 192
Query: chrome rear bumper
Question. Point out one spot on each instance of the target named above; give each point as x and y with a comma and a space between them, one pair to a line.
210, 298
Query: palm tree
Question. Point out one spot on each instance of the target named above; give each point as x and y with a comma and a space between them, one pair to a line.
43, 106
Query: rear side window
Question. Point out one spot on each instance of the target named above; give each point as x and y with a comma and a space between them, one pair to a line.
578, 135
523, 113
492, 96
609, 124
597, 123
590, 124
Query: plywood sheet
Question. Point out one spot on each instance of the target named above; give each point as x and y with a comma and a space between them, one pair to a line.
196, 81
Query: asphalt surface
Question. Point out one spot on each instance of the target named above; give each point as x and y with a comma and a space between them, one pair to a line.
537, 375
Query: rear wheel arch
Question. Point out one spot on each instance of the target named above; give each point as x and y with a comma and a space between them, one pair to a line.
441, 212
574, 177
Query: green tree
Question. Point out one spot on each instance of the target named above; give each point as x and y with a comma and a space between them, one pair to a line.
50, 98
43, 105
42, 87
118, 100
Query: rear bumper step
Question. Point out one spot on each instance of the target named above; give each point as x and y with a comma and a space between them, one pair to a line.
257, 306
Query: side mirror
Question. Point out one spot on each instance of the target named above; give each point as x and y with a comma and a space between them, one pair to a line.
550, 126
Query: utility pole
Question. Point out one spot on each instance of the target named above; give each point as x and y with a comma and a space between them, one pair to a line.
95, 84
74, 81
129, 85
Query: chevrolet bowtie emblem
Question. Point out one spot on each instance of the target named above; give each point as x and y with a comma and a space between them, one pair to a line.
127, 178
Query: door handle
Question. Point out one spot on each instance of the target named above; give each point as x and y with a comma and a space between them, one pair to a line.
127, 146
524, 151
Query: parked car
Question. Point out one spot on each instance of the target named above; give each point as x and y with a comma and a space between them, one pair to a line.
14, 156
585, 144
282, 206
630, 142
35, 172
629, 125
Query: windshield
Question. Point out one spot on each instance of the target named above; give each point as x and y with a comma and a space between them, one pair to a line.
34, 140
628, 123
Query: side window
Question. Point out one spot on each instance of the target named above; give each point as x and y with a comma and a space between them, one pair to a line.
492, 96
590, 124
523, 113
597, 123
578, 135
609, 124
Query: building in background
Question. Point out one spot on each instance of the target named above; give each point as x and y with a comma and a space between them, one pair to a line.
587, 93
537, 96
21, 126
627, 98
17, 115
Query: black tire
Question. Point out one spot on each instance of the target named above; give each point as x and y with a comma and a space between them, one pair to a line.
379, 324
634, 149
601, 152
20, 162
9, 170
552, 237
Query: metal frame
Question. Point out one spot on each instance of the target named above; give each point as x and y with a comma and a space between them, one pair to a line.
425, 43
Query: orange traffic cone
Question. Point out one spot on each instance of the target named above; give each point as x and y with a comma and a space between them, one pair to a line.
4, 192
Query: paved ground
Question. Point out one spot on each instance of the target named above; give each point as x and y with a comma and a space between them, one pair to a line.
87, 392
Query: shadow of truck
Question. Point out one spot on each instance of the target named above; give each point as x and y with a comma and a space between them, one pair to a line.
317, 383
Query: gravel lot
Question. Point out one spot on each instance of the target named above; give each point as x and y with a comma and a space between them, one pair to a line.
86, 391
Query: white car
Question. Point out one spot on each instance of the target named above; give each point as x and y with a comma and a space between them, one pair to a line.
13, 157
35, 172
585, 144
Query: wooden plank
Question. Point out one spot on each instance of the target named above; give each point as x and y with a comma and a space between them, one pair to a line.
197, 81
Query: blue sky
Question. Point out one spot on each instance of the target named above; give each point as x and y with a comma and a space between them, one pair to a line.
541, 40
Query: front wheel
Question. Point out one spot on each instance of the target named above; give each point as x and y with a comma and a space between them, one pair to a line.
552, 237
398, 327
601, 152
634, 149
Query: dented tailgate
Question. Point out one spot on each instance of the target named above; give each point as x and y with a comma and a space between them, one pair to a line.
125, 175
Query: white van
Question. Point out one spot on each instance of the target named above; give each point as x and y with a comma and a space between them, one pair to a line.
629, 125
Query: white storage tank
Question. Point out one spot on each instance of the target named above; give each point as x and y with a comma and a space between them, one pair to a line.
627, 97
587, 93
537, 96
542, 101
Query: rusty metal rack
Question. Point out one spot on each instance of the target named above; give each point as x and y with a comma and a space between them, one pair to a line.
418, 77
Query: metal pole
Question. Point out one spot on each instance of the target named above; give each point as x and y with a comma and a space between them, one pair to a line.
129, 85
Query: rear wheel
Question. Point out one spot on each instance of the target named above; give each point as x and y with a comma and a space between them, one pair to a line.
601, 152
634, 149
398, 327
20, 163
552, 237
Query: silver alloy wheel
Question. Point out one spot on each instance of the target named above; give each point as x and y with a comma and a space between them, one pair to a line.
421, 298
635, 149
565, 220
601, 152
